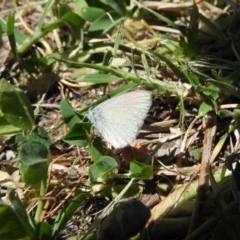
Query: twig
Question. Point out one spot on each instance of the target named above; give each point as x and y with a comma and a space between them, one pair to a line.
203, 178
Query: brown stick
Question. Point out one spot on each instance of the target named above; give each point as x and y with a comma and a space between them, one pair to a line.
203, 178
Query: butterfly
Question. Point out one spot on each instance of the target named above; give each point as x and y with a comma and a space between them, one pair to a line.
119, 119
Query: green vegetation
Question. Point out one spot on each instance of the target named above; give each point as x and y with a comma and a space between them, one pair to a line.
57, 57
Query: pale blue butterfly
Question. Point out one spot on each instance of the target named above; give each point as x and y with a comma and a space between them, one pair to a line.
120, 118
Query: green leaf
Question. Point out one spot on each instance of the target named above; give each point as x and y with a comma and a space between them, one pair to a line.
64, 216
211, 92
1, 40
64, 9
17, 140
225, 113
192, 78
108, 57
19, 36
47, 8
72, 20
79, 134
168, 21
32, 152
97, 151
75, 21
133, 191
226, 86
10, 33
39, 135
205, 107
191, 48
193, 28
45, 63
69, 115
104, 167
43, 231
135, 81
15, 106
6, 128
21, 211
13, 226
90, 14
140, 170
78, 5
236, 117
103, 24
35, 173
34, 159
171, 65
109, 191
117, 6
100, 78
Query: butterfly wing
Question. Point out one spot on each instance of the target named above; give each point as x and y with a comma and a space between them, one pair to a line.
119, 119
